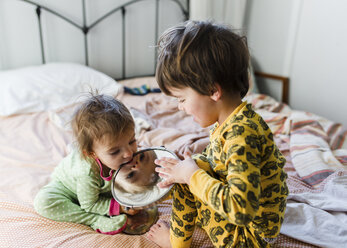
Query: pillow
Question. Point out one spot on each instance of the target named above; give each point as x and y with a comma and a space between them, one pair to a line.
50, 86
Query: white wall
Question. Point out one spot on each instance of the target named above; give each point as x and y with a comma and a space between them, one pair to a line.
225, 11
319, 64
307, 41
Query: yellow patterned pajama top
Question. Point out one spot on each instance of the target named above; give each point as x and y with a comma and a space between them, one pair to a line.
238, 196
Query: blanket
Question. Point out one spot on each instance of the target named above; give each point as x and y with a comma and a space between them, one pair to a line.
32, 145
316, 152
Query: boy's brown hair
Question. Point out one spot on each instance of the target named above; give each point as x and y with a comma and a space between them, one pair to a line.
99, 117
198, 54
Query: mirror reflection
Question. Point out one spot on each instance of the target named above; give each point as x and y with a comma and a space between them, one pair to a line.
135, 183
139, 174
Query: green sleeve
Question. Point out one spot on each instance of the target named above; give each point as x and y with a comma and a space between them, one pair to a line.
89, 196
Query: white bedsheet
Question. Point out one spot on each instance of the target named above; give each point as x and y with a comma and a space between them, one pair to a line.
319, 218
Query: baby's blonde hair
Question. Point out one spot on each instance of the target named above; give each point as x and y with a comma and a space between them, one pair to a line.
99, 117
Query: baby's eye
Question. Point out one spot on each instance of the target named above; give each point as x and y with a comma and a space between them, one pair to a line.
181, 100
130, 175
115, 152
142, 156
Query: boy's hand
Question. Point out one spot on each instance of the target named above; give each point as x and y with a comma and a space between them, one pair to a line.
175, 170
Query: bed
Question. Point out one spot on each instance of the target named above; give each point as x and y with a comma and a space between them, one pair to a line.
37, 102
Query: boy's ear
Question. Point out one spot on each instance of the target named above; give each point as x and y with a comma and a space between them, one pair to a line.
217, 93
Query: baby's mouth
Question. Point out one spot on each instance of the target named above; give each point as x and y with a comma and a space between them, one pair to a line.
128, 162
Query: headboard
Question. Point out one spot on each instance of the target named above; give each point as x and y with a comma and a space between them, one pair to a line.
116, 37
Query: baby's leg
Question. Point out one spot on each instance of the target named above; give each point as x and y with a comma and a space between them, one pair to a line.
160, 234
55, 202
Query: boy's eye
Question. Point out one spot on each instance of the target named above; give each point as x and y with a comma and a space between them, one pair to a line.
132, 141
142, 156
130, 175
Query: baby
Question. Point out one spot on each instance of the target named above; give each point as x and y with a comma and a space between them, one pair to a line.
80, 186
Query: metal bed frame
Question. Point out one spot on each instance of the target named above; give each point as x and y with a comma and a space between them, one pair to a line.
86, 28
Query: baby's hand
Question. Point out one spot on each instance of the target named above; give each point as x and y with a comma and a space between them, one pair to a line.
175, 171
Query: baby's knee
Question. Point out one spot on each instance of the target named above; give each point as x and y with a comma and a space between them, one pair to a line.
39, 202
43, 204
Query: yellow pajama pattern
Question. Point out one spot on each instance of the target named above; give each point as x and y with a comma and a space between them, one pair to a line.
238, 196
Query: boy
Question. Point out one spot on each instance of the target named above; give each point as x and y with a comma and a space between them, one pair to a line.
235, 190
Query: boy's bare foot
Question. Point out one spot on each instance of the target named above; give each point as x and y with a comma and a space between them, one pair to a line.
160, 234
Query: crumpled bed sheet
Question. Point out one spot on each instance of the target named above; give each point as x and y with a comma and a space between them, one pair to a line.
32, 145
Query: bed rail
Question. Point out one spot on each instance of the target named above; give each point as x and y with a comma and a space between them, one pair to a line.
283, 80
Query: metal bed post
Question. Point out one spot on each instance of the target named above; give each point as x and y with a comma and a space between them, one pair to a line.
38, 13
85, 32
123, 43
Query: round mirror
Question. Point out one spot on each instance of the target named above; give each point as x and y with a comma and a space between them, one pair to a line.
134, 184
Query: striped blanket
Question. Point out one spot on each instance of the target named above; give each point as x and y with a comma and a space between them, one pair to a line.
31, 145
318, 147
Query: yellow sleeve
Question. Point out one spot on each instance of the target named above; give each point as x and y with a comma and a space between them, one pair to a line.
202, 162
237, 197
